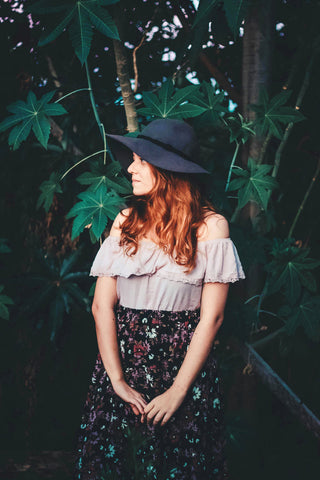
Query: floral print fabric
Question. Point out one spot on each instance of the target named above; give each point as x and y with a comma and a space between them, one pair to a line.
113, 443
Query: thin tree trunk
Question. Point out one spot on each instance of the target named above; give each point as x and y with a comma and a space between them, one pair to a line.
125, 85
122, 65
256, 62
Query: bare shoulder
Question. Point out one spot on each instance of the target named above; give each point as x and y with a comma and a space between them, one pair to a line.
214, 226
120, 218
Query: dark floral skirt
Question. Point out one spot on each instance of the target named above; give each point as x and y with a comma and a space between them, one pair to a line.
114, 444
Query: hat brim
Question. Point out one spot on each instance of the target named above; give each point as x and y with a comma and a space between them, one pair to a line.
122, 147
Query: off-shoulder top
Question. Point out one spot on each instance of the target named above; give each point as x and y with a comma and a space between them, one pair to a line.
151, 279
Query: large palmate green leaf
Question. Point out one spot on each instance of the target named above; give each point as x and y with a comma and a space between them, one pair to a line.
254, 183
4, 301
171, 103
291, 269
94, 209
33, 114
48, 189
270, 114
305, 314
108, 175
236, 11
81, 16
210, 100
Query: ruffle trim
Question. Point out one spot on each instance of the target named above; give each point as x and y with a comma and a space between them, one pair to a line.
217, 261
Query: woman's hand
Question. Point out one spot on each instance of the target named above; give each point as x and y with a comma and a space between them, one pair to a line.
162, 407
130, 395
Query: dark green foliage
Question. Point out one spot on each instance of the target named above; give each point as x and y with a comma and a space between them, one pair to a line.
239, 129
56, 289
270, 114
171, 103
290, 269
94, 210
48, 189
33, 114
236, 11
108, 175
304, 314
81, 16
4, 301
212, 102
254, 184
204, 10
4, 248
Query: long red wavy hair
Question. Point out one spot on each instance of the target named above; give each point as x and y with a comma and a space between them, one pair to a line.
172, 211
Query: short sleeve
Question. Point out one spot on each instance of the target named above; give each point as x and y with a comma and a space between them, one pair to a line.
112, 261
104, 262
222, 261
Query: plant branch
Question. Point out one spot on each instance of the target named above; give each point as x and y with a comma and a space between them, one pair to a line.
305, 198
277, 386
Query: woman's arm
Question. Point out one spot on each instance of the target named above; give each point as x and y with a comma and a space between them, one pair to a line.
162, 407
104, 301
213, 300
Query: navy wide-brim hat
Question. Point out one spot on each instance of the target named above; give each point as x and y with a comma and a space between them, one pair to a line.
165, 143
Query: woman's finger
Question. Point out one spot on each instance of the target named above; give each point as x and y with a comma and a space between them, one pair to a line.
158, 417
165, 419
151, 414
135, 409
139, 406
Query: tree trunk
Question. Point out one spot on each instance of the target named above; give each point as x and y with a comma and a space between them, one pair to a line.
121, 58
256, 62
125, 85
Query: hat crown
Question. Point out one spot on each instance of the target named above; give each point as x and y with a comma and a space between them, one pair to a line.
176, 133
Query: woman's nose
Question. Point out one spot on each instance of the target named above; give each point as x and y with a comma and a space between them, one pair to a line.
131, 168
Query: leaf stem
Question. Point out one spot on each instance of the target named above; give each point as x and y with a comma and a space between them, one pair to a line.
96, 114
80, 161
231, 165
71, 93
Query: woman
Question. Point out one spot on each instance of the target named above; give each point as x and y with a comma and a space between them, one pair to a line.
154, 408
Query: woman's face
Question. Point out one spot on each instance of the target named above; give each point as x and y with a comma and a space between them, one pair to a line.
143, 179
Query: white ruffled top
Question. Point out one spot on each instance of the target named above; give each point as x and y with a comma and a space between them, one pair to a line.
151, 279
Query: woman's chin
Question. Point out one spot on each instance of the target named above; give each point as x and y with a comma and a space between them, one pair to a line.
139, 191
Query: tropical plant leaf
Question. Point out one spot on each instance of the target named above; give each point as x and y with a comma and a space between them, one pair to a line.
209, 99
254, 184
236, 11
204, 10
110, 176
81, 34
240, 130
33, 114
94, 209
305, 314
81, 16
169, 103
48, 189
291, 269
4, 301
57, 287
270, 114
